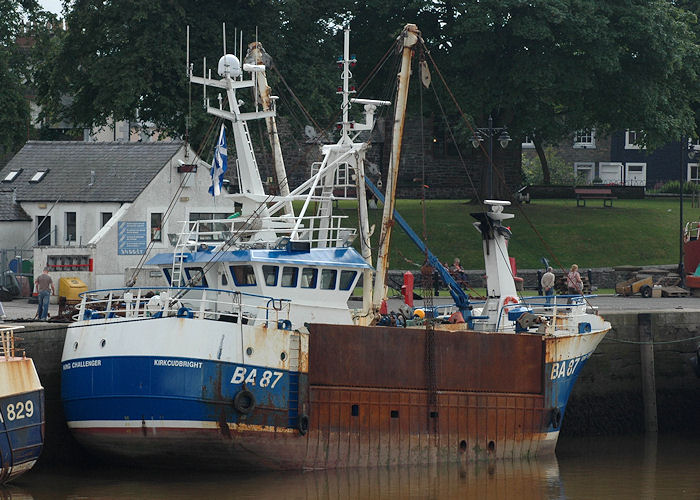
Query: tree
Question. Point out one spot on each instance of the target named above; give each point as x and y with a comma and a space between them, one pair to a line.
548, 68
20, 22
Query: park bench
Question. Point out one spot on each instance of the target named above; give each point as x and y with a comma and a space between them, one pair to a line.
583, 194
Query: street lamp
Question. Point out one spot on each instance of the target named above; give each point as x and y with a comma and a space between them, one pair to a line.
490, 132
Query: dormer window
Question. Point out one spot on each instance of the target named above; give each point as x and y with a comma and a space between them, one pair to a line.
38, 176
12, 175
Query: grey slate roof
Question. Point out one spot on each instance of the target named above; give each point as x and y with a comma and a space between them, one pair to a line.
10, 211
122, 169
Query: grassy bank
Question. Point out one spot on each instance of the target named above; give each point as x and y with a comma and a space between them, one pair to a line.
635, 232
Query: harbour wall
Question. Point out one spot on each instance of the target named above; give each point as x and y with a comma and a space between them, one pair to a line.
607, 399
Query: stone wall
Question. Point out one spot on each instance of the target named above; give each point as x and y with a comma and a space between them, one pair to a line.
446, 175
607, 398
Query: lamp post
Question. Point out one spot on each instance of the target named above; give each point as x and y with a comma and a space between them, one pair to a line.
490, 132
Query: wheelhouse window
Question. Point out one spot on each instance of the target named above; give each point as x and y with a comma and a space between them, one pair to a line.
584, 138
584, 172
289, 276
308, 277
328, 278
156, 226
196, 278
166, 273
347, 278
270, 275
243, 275
70, 226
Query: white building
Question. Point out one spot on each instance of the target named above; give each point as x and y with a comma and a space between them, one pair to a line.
97, 210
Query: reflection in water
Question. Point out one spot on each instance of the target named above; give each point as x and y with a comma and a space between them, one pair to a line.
621, 468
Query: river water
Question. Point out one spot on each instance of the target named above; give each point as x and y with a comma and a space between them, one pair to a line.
631, 467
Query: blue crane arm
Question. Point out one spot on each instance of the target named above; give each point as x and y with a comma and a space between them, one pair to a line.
461, 299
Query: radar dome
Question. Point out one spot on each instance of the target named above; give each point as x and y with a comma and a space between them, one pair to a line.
229, 64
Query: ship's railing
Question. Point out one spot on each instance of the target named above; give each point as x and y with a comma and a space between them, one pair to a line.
7, 342
569, 308
320, 231
184, 302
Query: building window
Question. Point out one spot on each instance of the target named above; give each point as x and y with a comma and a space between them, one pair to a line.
584, 172
633, 138
104, 218
156, 226
693, 173
636, 174
70, 226
584, 138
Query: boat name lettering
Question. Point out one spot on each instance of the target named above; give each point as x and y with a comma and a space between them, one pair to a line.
565, 368
181, 363
239, 376
19, 410
82, 364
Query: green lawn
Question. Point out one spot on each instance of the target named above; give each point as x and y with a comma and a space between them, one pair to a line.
635, 232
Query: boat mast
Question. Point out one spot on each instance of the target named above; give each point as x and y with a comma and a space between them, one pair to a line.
255, 56
410, 36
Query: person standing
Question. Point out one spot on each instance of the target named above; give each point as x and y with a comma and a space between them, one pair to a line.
547, 283
44, 288
574, 283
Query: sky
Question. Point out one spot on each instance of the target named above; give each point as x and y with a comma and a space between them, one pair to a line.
51, 5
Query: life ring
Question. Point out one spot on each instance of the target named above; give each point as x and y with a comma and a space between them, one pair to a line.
509, 300
244, 402
303, 425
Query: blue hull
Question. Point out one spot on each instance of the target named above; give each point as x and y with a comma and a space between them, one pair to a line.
21, 432
117, 391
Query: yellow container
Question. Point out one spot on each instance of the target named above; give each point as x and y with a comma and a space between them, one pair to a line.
71, 288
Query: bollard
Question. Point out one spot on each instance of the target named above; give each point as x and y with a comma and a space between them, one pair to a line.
407, 288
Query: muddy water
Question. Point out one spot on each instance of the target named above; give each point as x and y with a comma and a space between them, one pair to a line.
620, 468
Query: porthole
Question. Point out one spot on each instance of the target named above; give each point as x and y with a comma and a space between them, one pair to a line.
75, 346
249, 351
283, 356
103, 342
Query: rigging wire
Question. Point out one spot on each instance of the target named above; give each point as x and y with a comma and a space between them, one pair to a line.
500, 174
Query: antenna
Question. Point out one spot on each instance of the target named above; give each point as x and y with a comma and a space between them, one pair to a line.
235, 37
188, 51
189, 97
240, 52
204, 75
223, 27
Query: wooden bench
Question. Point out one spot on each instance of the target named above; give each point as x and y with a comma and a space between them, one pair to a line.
583, 194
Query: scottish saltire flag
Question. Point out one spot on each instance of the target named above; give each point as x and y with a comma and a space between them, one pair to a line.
219, 164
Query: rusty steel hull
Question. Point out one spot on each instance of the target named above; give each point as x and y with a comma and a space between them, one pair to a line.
364, 396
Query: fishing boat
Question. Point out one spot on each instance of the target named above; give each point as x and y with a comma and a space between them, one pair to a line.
251, 357
21, 408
